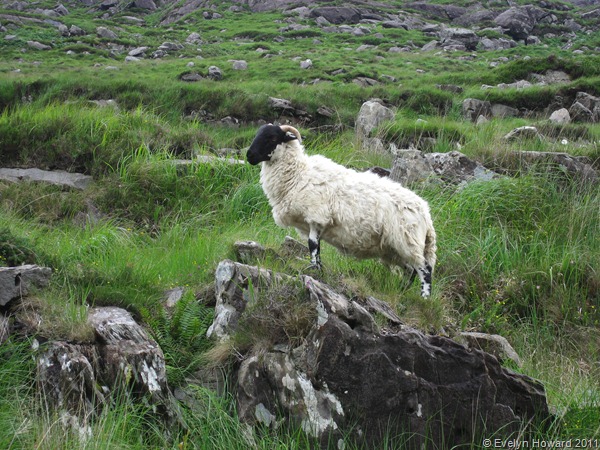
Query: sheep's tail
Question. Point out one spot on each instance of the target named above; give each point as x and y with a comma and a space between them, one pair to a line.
291, 129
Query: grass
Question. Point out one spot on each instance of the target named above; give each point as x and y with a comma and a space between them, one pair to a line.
518, 256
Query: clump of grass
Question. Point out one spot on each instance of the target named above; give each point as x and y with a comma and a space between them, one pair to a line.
15, 250
279, 315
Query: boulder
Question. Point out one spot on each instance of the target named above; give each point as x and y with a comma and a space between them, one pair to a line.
500, 111
560, 117
214, 73
525, 132
38, 45
472, 108
19, 281
519, 21
145, 4
76, 378
349, 378
105, 33
412, 166
371, 115
576, 168
463, 36
336, 14
579, 113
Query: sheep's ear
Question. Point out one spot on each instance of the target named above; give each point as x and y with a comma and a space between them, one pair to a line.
289, 136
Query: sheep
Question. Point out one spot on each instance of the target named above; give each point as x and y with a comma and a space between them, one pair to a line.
361, 214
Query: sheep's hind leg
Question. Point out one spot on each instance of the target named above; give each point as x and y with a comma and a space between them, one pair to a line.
314, 245
425, 273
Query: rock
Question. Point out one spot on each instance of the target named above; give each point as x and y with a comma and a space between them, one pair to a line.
346, 376
138, 52
170, 46
560, 117
306, 64
519, 21
145, 4
214, 73
472, 108
444, 12
500, 111
371, 115
105, 33
38, 45
463, 36
58, 177
281, 104
479, 16
76, 31
336, 15
232, 282
412, 166
191, 77
293, 248
19, 281
450, 88
173, 296
240, 65
491, 343
489, 44
61, 10
77, 377
431, 45
365, 81
579, 113
525, 132
561, 163
193, 38
551, 77
249, 251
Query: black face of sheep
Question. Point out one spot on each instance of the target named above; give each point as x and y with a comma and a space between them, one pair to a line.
266, 140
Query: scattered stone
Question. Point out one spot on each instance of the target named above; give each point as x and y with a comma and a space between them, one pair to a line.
249, 251
105, 33
38, 45
450, 88
501, 111
145, 4
138, 52
525, 132
58, 177
371, 115
411, 166
560, 117
173, 296
193, 38
306, 64
472, 108
240, 65
19, 281
491, 343
214, 73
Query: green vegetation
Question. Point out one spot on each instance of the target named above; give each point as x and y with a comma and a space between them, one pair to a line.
518, 256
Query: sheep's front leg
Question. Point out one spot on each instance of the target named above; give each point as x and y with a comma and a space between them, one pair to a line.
314, 245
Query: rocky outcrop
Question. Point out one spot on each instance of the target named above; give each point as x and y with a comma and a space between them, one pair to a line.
349, 376
77, 378
19, 281
57, 177
411, 166
519, 21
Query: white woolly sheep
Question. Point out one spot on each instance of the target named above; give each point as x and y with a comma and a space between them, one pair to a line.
360, 214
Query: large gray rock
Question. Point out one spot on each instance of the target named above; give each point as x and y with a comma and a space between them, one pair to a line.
38, 45
412, 166
463, 36
472, 108
57, 177
560, 117
371, 115
519, 21
336, 14
347, 377
17, 282
76, 378
105, 33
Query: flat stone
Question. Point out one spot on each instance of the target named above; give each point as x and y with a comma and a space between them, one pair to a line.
57, 177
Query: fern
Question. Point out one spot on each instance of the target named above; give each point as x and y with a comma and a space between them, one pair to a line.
181, 334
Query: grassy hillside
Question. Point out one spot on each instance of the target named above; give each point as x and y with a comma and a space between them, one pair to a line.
518, 256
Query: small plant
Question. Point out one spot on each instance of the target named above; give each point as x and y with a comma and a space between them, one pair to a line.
15, 250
